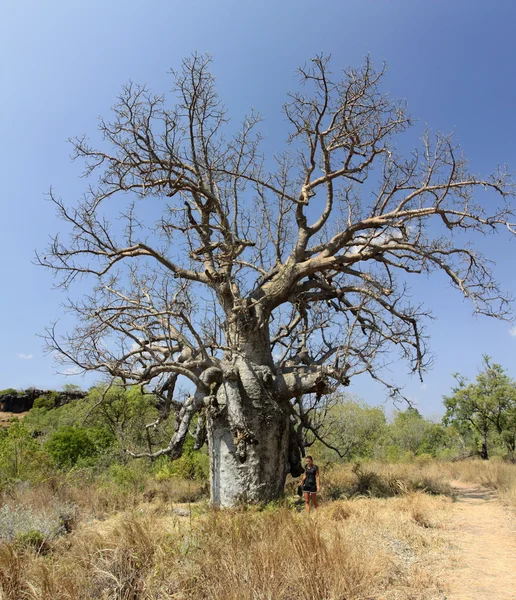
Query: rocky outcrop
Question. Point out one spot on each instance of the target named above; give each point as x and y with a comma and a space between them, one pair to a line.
21, 401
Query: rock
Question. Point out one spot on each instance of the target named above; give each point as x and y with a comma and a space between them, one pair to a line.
21, 401
182, 512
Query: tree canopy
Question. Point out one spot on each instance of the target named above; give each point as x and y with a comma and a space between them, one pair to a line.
487, 405
260, 280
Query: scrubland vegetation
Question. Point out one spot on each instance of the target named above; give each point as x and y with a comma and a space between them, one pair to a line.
70, 538
80, 519
378, 534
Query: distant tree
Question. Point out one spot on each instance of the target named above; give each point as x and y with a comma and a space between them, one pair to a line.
440, 441
129, 415
48, 401
508, 431
260, 280
406, 432
485, 406
71, 388
351, 428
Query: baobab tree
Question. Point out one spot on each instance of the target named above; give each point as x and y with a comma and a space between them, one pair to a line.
264, 282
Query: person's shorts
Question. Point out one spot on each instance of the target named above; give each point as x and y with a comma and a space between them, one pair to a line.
309, 489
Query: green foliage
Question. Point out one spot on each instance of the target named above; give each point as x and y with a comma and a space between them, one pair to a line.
124, 412
21, 456
32, 539
88, 437
440, 441
192, 465
118, 415
359, 431
43, 422
71, 388
351, 427
47, 401
8, 392
69, 444
408, 434
486, 408
130, 477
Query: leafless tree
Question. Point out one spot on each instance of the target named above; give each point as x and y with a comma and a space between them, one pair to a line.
263, 280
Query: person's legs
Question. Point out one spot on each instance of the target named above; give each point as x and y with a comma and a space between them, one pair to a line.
307, 501
314, 499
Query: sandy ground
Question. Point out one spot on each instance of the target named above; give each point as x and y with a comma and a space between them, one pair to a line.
5, 417
484, 534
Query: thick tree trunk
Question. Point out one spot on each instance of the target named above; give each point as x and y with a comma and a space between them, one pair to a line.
248, 428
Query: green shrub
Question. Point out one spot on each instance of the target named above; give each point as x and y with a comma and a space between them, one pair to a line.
47, 401
69, 444
33, 540
396, 454
9, 392
131, 476
21, 456
193, 465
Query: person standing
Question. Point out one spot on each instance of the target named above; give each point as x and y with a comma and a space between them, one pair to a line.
311, 483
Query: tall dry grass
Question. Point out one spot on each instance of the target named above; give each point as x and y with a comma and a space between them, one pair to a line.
375, 537
95, 499
494, 474
363, 548
383, 480
429, 476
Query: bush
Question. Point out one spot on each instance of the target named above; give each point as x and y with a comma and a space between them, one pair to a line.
130, 477
33, 540
369, 483
193, 465
23, 523
69, 444
47, 401
20, 455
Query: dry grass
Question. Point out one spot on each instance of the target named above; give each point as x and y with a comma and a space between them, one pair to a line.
98, 500
384, 480
494, 474
383, 539
379, 479
357, 549
7, 417
434, 477
377, 536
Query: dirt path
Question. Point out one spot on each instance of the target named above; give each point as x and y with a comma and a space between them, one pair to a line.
485, 535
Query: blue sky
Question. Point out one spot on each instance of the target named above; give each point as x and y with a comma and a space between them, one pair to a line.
63, 64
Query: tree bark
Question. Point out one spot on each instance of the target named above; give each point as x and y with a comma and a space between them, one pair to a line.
248, 426
484, 453
511, 449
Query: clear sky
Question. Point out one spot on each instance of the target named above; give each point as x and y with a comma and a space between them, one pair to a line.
64, 62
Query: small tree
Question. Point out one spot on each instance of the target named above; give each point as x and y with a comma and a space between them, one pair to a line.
350, 428
20, 454
258, 279
407, 431
127, 414
485, 406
